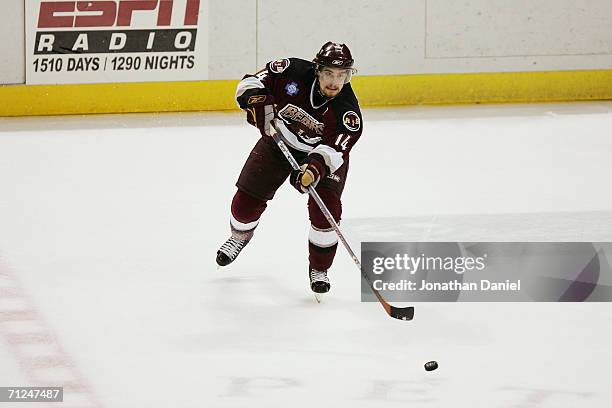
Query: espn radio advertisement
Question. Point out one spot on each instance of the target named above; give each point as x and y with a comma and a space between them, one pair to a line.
106, 41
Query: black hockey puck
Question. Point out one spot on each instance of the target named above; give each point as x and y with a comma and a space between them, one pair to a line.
431, 365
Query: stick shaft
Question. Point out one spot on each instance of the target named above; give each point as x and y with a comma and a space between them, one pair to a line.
405, 313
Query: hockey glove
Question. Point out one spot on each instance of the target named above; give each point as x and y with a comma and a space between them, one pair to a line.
308, 175
260, 112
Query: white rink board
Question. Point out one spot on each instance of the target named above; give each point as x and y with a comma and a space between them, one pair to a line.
442, 36
522, 35
232, 33
381, 34
498, 28
11, 48
390, 37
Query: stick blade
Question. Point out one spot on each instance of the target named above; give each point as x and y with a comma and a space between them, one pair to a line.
402, 313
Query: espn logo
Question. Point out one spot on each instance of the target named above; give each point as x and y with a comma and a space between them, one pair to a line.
108, 13
135, 36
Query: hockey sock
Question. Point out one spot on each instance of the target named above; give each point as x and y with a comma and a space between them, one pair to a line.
245, 213
322, 239
321, 258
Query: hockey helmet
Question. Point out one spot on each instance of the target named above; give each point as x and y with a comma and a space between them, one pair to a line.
335, 55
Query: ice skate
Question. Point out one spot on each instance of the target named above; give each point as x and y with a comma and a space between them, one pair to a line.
230, 250
319, 283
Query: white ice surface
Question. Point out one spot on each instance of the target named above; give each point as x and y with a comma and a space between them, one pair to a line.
110, 224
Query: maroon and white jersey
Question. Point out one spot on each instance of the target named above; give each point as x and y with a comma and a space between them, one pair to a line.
317, 125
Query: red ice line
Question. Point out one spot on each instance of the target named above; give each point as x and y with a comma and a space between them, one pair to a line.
34, 363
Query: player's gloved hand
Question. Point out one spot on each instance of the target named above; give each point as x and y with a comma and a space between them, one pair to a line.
260, 112
307, 175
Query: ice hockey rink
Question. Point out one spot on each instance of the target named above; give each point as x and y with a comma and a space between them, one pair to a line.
109, 226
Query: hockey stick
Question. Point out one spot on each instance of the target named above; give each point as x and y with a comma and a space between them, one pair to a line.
402, 313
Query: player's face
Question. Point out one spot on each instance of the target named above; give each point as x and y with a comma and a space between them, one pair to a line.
331, 80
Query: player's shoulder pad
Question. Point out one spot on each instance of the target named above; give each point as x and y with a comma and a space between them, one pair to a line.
278, 66
287, 66
346, 109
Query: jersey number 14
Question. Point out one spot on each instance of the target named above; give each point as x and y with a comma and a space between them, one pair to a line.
343, 143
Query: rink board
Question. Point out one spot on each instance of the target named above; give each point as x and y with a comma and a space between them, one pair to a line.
506, 87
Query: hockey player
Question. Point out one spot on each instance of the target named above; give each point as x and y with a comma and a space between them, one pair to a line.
319, 114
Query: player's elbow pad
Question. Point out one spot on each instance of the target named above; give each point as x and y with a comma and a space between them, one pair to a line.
243, 100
